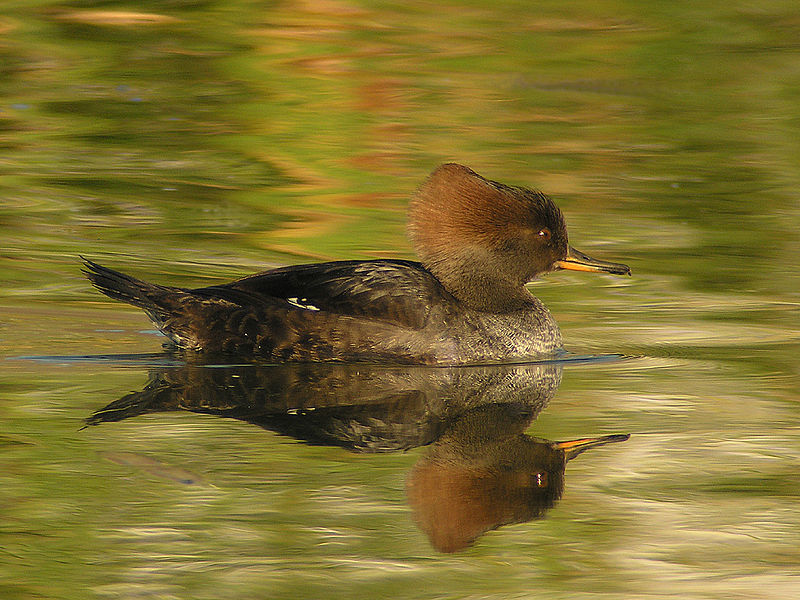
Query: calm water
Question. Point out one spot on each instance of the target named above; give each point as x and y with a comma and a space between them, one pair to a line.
193, 142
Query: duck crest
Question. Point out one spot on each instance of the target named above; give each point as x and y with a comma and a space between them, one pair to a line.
471, 232
454, 200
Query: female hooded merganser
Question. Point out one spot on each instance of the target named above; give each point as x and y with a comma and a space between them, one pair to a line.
480, 242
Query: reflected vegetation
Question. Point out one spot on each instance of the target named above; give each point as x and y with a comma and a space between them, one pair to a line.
481, 470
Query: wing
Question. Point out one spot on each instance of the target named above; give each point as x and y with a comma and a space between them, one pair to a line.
394, 291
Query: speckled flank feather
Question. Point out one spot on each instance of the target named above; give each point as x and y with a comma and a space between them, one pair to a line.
353, 310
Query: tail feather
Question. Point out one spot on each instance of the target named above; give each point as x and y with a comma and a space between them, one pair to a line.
120, 286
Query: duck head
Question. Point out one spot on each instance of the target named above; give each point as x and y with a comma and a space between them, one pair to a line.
484, 240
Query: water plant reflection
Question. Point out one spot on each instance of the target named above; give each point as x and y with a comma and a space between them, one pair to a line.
481, 470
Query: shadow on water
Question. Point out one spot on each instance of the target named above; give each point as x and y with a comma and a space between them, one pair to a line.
480, 472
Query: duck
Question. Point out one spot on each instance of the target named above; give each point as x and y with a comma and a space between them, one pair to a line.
464, 302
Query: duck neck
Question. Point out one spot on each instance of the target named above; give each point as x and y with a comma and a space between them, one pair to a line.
484, 292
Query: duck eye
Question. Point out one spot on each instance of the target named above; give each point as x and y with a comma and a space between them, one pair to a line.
544, 233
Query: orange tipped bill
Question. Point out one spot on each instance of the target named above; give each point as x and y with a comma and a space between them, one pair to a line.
578, 261
574, 447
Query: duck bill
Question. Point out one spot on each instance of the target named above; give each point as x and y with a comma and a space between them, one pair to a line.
578, 261
573, 448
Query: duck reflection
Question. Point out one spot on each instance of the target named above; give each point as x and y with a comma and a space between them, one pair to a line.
481, 470
484, 472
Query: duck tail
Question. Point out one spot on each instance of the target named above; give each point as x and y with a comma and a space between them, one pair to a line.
120, 286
